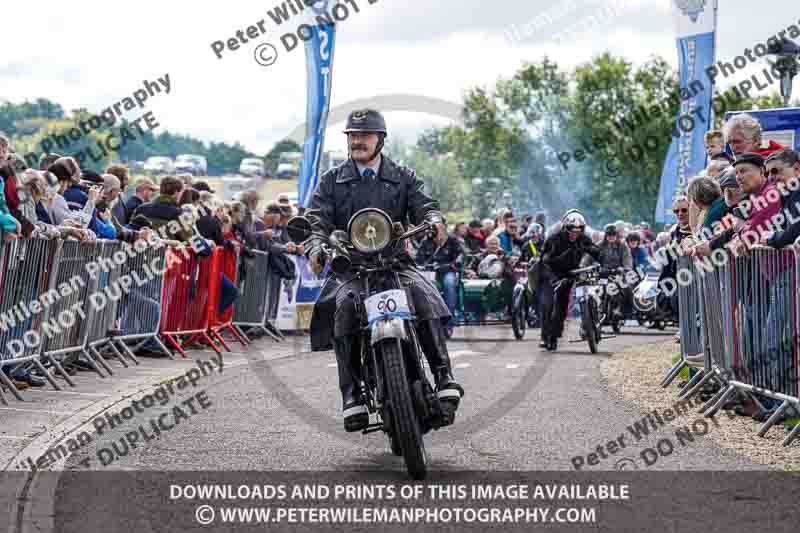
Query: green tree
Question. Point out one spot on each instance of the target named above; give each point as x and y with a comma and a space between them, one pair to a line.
273, 157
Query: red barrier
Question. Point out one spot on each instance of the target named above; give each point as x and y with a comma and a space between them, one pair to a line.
225, 262
189, 284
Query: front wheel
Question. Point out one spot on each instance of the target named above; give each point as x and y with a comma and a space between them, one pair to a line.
406, 422
588, 324
519, 318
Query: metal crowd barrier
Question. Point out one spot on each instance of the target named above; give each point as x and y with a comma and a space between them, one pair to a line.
688, 317
760, 316
187, 291
25, 270
140, 308
225, 263
65, 329
61, 301
104, 302
707, 284
252, 279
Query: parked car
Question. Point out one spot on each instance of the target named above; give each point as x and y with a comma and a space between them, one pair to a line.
195, 165
286, 171
159, 165
252, 167
234, 186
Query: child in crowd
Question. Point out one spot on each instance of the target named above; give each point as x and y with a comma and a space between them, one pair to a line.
715, 143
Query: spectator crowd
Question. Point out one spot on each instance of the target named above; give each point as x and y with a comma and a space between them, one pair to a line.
59, 200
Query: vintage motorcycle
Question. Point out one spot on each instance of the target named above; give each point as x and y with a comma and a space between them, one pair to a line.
587, 295
396, 388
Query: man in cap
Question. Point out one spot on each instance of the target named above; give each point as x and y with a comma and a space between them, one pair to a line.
144, 190
202, 186
368, 179
763, 201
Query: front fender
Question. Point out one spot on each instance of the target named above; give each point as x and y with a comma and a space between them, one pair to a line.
388, 328
518, 295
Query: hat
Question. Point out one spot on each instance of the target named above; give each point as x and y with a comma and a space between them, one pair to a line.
283, 198
722, 156
90, 175
728, 180
145, 183
750, 157
202, 186
475, 224
366, 120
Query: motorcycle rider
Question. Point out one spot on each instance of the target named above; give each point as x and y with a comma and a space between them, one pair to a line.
369, 179
561, 253
614, 253
615, 256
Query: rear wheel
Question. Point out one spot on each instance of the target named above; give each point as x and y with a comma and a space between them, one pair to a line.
406, 423
588, 323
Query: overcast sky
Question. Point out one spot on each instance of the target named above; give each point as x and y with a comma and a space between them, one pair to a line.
92, 54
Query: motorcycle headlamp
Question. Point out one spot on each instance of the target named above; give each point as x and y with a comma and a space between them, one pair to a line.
370, 230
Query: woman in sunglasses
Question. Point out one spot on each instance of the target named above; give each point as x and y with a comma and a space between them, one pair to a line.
681, 235
561, 253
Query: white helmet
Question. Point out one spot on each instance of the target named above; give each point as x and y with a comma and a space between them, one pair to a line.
573, 218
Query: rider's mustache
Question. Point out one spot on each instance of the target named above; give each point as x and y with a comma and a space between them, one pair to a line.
358, 147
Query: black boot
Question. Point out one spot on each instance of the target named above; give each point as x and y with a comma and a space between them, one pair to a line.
434, 345
552, 345
348, 359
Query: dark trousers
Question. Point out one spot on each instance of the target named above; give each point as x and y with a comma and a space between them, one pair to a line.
348, 356
554, 305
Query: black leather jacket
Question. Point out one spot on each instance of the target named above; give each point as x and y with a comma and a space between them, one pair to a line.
560, 255
342, 192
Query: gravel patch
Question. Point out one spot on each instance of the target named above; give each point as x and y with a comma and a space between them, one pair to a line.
635, 374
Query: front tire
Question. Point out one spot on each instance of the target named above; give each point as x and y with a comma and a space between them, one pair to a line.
398, 393
587, 321
518, 318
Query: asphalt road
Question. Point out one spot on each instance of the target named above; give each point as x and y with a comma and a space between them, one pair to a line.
524, 409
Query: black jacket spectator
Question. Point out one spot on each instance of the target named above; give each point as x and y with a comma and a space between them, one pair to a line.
445, 256
210, 227
131, 206
786, 237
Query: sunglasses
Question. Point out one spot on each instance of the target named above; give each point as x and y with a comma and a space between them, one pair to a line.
575, 229
680, 211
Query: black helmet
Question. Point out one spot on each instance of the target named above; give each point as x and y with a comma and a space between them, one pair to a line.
365, 120
611, 229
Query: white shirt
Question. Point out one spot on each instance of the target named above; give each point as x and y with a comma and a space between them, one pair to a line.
361, 168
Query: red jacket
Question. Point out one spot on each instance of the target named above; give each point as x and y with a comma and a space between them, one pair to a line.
762, 210
12, 198
771, 147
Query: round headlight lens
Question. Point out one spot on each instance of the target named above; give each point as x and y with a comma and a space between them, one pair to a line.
370, 231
